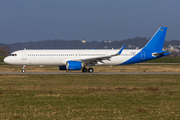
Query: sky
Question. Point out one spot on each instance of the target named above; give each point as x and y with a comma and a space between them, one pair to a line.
92, 20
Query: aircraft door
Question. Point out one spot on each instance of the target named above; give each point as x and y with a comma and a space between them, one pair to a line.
77, 55
24, 54
106, 54
142, 54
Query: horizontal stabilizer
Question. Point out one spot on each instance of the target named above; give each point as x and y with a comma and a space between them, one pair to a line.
160, 53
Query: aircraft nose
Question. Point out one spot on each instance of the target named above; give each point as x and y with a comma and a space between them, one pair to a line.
6, 60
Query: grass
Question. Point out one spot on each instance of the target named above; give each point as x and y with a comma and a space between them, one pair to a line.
2, 59
90, 97
165, 60
120, 68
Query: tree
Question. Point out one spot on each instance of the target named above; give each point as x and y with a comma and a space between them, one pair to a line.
4, 50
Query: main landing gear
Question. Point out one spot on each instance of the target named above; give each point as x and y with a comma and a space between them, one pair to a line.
23, 69
90, 70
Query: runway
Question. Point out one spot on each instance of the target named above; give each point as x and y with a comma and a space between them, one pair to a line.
80, 73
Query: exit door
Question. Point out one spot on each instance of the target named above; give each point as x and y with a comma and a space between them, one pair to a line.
77, 55
142, 54
24, 54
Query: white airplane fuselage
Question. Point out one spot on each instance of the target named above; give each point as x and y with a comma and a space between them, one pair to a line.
60, 57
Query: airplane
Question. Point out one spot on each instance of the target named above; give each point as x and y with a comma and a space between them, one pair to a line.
70, 59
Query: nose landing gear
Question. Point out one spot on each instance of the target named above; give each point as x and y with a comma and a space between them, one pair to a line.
23, 69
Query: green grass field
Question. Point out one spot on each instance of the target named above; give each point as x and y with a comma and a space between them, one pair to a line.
119, 68
165, 60
90, 97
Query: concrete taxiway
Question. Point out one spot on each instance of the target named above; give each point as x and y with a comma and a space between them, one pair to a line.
19, 73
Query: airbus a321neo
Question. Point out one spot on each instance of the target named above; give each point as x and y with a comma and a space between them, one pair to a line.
70, 59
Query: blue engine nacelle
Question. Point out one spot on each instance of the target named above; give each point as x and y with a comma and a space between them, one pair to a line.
62, 67
73, 65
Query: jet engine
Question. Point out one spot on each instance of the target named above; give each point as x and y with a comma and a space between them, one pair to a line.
72, 65
62, 67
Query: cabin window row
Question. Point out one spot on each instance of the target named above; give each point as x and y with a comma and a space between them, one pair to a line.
127, 54
50, 54
71, 55
66, 54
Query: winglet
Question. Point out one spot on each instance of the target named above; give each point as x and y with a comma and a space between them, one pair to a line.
120, 51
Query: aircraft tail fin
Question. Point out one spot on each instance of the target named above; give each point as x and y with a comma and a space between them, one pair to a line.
157, 41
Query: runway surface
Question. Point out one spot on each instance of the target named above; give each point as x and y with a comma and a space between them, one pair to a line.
19, 73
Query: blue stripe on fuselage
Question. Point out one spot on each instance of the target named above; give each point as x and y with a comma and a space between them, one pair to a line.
143, 55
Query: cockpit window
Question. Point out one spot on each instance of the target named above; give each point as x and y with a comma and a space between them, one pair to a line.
13, 54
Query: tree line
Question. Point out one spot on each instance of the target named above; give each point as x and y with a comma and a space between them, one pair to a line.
4, 50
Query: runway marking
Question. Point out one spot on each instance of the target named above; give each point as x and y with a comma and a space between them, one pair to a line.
31, 73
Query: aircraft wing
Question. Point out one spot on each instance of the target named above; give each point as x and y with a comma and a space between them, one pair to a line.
99, 59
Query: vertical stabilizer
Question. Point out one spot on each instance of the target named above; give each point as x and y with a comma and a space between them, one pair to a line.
157, 41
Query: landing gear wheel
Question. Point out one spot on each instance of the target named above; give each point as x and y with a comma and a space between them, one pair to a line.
23, 71
84, 70
90, 70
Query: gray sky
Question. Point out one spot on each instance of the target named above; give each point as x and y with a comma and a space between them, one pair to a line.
37, 20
